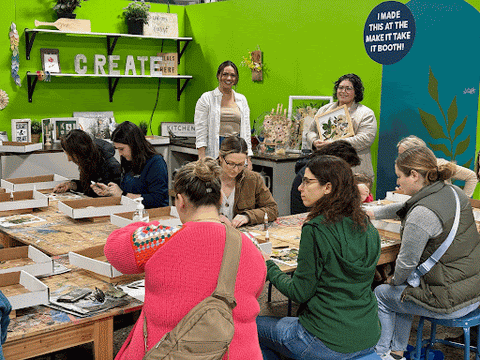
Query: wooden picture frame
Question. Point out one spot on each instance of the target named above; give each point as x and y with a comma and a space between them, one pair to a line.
22, 130
61, 127
50, 60
303, 109
335, 124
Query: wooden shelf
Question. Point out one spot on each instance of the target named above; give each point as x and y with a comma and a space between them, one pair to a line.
112, 81
112, 38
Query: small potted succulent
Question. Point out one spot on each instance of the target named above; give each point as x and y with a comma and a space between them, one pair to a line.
136, 15
65, 8
36, 129
143, 127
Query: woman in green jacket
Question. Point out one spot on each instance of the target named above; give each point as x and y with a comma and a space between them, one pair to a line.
339, 250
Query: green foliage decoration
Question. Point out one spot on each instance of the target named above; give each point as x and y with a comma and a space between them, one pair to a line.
36, 127
136, 11
437, 131
66, 6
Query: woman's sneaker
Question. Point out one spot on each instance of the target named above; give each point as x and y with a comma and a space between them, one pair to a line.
390, 356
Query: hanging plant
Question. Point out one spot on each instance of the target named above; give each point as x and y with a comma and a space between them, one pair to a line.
254, 62
3, 99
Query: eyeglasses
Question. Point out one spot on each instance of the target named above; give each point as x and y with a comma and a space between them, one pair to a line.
232, 165
307, 181
346, 88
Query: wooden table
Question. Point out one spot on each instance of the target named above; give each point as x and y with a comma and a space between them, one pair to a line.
58, 234
40, 330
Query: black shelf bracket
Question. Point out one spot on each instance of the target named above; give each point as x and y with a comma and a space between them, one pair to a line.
111, 45
32, 81
29, 39
112, 85
181, 88
180, 52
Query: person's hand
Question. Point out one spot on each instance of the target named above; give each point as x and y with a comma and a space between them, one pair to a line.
133, 196
239, 220
319, 143
114, 189
100, 189
63, 187
225, 220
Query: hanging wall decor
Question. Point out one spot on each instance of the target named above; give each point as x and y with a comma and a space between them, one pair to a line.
14, 38
254, 62
3, 99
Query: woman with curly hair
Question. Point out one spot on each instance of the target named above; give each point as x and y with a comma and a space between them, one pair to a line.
348, 90
339, 250
95, 160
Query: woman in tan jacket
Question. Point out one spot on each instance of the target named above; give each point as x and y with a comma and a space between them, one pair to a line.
245, 198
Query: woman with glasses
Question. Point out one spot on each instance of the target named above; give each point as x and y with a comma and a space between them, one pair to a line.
339, 250
221, 113
348, 90
95, 160
245, 198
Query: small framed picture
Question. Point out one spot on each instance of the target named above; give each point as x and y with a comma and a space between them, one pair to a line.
62, 126
21, 130
50, 60
47, 132
335, 124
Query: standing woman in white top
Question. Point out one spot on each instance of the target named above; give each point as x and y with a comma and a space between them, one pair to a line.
348, 90
222, 113
461, 173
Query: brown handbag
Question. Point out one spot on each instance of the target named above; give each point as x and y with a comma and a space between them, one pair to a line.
207, 330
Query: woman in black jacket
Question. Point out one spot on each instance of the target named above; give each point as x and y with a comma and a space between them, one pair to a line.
95, 160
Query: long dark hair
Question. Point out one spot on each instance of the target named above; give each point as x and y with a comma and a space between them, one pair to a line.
130, 134
224, 65
357, 86
344, 199
81, 148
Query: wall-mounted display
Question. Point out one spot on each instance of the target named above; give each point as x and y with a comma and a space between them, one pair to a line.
335, 124
61, 127
50, 60
98, 124
21, 130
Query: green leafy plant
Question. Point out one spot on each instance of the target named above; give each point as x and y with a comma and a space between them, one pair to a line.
66, 6
136, 11
437, 131
143, 126
36, 127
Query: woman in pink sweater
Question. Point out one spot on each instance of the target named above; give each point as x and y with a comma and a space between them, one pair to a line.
181, 268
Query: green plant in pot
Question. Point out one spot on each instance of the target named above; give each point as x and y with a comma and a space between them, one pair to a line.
144, 127
36, 129
136, 15
65, 8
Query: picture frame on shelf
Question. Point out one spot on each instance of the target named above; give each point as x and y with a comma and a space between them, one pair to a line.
62, 126
303, 108
335, 124
47, 132
50, 60
98, 124
21, 130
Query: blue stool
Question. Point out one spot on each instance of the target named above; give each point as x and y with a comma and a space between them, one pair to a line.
372, 356
465, 322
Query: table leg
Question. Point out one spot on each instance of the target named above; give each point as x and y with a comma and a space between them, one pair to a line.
103, 339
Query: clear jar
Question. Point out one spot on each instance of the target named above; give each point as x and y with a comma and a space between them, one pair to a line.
3, 136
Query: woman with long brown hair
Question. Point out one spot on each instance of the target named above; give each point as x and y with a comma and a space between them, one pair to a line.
339, 250
95, 160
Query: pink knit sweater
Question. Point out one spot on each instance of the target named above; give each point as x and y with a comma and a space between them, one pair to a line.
180, 274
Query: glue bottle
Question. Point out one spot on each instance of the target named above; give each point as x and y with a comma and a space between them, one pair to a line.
140, 214
265, 222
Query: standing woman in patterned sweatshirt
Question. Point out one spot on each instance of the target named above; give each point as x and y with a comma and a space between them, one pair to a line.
339, 250
181, 268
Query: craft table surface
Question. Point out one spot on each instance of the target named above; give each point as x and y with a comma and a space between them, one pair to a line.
40, 330
286, 231
59, 233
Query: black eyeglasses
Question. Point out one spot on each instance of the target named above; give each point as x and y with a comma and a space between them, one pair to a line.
232, 165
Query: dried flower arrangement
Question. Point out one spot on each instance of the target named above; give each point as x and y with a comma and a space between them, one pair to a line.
280, 132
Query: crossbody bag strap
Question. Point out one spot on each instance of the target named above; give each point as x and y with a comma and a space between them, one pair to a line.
228, 271
414, 278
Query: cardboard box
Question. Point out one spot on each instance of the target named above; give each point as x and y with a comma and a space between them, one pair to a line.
102, 206
392, 226
26, 258
19, 147
170, 212
158, 140
94, 261
38, 182
396, 197
23, 290
28, 199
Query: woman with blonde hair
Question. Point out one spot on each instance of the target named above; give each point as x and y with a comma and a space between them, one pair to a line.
436, 219
181, 268
461, 173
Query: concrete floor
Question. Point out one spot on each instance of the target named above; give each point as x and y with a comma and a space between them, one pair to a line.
278, 307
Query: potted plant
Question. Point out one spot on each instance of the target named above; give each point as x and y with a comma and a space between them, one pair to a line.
65, 8
136, 15
143, 127
36, 129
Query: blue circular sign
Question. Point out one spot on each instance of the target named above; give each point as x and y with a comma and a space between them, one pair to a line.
389, 32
